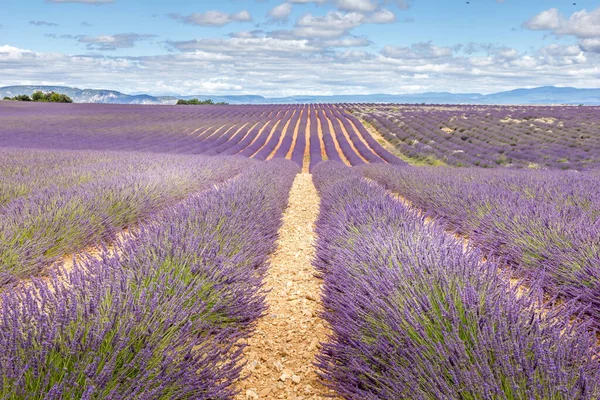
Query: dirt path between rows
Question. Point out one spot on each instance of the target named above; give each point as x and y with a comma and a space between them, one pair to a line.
281, 352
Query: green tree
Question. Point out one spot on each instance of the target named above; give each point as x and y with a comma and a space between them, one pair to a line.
38, 96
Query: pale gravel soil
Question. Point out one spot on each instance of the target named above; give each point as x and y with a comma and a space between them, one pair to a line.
282, 349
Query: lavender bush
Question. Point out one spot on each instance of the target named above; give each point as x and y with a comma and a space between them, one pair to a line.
58, 221
162, 317
546, 224
557, 137
415, 316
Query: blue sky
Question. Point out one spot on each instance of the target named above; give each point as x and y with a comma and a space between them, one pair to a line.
286, 47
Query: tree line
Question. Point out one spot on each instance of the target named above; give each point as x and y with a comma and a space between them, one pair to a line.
196, 102
41, 97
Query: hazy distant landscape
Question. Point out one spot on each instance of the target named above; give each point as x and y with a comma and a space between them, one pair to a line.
541, 95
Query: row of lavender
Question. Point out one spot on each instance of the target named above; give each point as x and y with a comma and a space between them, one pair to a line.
261, 132
416, 316
87, 198
159, 317
490, 136
544, 223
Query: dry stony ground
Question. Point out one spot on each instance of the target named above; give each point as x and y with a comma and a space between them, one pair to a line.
282, 349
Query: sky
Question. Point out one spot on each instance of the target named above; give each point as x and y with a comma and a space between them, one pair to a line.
280, 48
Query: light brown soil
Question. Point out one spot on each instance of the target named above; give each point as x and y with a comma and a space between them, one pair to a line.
362, 139
288, 156
306, 158
283, 133
268, 138
337, 144
256, 136
345, 133
381, 140
321, 142
281, 352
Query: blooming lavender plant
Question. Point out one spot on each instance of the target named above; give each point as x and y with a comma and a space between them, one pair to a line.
159, 318
416, 316
58, 221
546, 224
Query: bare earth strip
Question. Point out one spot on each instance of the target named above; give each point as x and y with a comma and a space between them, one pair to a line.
268, 138
320, 134
281, 352
283, 133
288, 156
350, 142
306, 158
335, 141
381, 140
362, 139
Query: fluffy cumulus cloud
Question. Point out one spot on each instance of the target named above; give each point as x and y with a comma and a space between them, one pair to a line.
106, 42
418, 51
213, 18
341, 65
280, 12
582, 24
324, 47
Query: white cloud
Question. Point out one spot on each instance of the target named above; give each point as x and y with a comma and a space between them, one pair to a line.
213, 18
592, 45
356, 5
581, 24
381, 17
285, 66
281, 12
418, 51
106, 42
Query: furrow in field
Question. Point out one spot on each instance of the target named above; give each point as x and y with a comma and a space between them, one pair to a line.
268, 138
281, 352
288, 156
336, 142
283, 134
320, 134
344, 132
360, 137
306, 158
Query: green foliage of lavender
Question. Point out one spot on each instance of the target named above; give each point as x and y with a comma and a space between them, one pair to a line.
57, 221
162, 318
546, 224
416, 316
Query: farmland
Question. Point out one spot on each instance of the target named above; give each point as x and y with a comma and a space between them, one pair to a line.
359, 251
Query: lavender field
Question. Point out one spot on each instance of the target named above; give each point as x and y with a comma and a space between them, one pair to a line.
143, 250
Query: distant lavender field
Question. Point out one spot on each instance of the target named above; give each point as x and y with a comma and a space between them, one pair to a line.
560, 137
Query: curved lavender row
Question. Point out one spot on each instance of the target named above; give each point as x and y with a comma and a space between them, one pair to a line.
364, 151
260, 140
330, 150
542, 222
288, 139
300, 147
56, 222
274, 141
376, 146
415, 317
489, 136
161, 320
315, 142
345, 147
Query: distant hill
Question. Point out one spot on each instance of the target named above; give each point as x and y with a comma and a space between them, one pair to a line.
540, 95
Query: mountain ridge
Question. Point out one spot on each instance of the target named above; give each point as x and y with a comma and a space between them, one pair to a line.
539, 95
